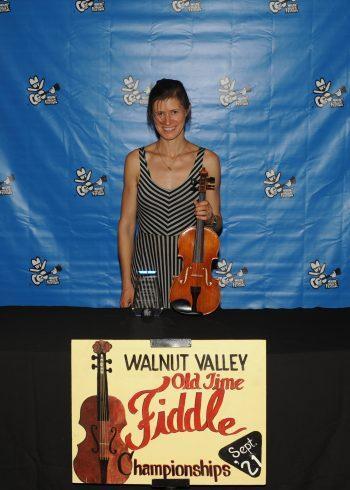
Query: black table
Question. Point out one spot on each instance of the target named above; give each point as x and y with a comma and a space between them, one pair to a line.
308, 407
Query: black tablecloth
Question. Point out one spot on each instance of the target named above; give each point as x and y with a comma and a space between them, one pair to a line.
308, 404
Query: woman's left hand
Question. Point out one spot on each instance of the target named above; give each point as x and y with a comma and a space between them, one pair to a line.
203, 211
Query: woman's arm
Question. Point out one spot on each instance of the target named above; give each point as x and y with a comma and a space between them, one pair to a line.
209, 210
126, 226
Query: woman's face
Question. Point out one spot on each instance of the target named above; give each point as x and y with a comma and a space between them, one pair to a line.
169, 118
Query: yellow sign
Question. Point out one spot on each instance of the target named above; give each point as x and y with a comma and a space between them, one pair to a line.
144, 410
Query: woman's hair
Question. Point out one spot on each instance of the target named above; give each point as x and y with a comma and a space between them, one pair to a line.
165, 89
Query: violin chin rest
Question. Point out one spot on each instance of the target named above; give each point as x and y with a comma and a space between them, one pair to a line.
184, 307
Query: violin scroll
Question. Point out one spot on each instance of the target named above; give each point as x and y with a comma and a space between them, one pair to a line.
101, 347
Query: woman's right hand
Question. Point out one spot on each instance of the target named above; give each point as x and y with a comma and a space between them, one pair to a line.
127, 296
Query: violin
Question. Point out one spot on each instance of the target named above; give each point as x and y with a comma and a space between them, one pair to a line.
102, 457
194, 291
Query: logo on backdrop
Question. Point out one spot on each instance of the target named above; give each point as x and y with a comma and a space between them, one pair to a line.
41, 275
230, 95
85, 186
83, 5
290, 6
228, 278
39, 94
324, 96
320, 278
189, 5
132, 94
6, 186
4, 6
245, 454
274, 187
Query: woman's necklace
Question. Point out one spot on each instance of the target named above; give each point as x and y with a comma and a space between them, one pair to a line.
164, 163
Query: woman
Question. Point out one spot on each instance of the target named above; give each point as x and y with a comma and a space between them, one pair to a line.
160, 195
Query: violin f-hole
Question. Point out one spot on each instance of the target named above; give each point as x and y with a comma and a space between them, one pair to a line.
92, 428
114, 432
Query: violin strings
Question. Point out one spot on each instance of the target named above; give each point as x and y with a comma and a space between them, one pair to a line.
106, 410
103, 410
101, 420
103, 374
100, 409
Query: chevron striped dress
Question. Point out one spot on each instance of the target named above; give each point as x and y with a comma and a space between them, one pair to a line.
161, 216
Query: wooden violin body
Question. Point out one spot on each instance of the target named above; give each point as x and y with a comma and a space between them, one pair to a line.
194, 291
115, 460
102, 456
195, 283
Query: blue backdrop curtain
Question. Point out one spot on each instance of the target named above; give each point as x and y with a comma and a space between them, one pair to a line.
267, 82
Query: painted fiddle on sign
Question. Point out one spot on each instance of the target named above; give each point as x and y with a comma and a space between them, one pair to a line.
194, 291
102, 456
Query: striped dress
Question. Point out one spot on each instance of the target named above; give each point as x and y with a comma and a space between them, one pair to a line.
161, 216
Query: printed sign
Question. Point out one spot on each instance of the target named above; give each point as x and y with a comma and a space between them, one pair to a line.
146, 410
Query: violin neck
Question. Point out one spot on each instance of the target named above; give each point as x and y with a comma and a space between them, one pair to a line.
198, 245
102, 389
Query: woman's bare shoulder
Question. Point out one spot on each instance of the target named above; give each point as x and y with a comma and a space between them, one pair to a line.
132, 165
133, 155
211, 160
211, 156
